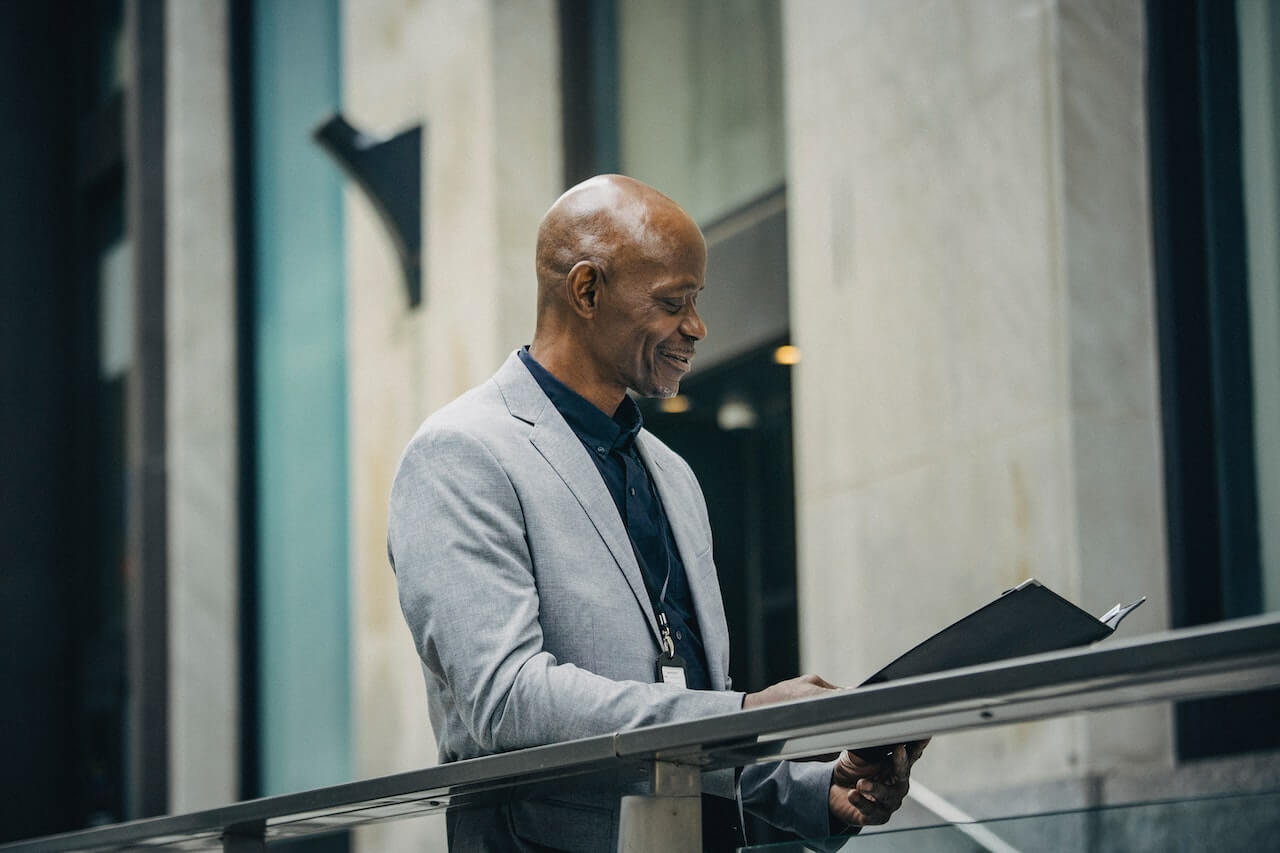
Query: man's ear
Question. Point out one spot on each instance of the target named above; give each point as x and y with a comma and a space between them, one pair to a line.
584, 282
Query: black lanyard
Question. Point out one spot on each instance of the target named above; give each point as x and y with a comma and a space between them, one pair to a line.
669, 668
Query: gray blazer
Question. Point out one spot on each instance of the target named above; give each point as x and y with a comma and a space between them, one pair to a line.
530, 615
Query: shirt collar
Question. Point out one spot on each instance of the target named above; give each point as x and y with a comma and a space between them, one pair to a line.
597, 430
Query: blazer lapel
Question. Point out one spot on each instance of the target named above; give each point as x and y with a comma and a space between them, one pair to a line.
564, 452
689, 537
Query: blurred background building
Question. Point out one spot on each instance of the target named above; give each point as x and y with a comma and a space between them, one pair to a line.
994, 293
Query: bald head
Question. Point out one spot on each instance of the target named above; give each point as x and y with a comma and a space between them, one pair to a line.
614, 222
620, 267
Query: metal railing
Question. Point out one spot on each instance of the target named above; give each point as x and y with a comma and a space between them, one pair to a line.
1189, 663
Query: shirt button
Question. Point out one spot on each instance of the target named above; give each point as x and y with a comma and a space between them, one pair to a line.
679, 636
599, 450
633, 493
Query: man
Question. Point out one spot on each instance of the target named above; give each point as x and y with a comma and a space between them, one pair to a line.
554, 559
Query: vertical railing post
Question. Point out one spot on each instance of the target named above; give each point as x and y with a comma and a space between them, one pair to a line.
669, 817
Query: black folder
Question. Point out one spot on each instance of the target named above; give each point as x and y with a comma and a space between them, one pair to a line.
1026, 620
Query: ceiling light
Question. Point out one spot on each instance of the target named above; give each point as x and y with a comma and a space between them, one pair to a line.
736, 413
787, 354
677, 405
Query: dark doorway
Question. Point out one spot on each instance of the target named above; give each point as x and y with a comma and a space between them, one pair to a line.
736, 435
66, 342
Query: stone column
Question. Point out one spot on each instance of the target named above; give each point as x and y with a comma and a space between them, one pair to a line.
971, 289
482, 77
200, 277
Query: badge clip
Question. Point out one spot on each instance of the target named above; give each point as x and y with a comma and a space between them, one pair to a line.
669, 667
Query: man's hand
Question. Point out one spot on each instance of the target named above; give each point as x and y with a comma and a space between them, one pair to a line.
864, 793
803, 687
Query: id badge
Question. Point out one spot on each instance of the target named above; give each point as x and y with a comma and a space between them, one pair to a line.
670, 669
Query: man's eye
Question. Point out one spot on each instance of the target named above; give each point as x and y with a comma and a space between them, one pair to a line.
673, 305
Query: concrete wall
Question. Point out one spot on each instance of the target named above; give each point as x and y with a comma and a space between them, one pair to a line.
970, 286
201, 392
482, 76
699, 101
971, 289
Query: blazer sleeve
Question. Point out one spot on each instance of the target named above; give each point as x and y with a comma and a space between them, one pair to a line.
791, 795
465, 576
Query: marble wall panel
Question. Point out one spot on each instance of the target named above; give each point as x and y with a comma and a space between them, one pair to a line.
926, 274
980, 520
482, 77
971, 291
1114, 380
935, 57
910, 552
1121, 529
529, 153
200, 318
383, 90
1106, 208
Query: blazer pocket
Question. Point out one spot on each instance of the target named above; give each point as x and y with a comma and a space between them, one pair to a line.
555, 824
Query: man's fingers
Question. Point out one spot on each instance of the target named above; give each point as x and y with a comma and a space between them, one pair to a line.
819, 681
849, 814
864, 794
870, 812
895, 764
801, 687
888, 796
850, 807
843, 808
901, 762
855, 767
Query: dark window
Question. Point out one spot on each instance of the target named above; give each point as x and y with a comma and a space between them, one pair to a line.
1205, 278
76, 749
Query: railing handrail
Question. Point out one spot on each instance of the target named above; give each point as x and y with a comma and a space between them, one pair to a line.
1186, 663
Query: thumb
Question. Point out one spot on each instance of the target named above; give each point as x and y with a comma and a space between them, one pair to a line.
901, 763
819, 681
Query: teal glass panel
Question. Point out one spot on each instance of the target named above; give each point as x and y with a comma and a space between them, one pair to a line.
303, 635
1221, 823
1258, 29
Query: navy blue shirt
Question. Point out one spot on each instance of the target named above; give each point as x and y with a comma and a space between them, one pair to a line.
611, 445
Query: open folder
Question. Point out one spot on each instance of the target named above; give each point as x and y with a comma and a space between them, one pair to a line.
1026, 620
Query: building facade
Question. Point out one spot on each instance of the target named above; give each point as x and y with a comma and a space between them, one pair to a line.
994, 293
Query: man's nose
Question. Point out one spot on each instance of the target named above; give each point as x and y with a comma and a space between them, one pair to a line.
692, 325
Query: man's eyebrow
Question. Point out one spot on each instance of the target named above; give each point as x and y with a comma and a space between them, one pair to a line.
685, 287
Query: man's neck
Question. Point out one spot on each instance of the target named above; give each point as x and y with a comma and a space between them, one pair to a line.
572, 367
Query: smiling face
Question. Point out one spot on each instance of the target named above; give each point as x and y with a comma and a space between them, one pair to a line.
620, 266
646, 323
